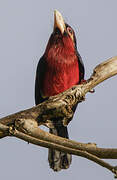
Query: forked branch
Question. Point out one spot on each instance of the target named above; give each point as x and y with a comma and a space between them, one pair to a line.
24, 124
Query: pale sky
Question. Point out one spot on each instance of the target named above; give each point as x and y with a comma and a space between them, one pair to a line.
25, 27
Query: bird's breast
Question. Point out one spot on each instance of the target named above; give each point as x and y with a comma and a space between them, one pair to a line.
59, 76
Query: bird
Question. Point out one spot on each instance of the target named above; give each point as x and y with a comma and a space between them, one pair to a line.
59, 68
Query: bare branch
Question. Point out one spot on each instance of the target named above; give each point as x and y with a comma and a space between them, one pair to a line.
24, 124
34, 134
61, 104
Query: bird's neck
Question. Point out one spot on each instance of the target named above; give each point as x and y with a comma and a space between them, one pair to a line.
60, 51
60, 55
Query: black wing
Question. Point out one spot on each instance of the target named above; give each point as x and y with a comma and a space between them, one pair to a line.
41, 68
81, 67
80, 62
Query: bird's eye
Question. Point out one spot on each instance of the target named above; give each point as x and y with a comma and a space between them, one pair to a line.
69, 30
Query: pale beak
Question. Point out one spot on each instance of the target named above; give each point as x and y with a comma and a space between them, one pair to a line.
59, 21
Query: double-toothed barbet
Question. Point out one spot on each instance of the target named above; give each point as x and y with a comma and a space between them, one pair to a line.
59, 69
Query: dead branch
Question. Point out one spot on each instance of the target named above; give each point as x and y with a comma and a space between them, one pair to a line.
24, 124
36, 136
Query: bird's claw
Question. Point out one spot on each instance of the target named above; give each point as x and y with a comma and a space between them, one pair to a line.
84, 81
92, 91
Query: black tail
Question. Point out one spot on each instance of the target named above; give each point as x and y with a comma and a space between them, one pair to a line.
59, 160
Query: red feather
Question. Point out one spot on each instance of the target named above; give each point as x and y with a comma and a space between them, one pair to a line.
62, 69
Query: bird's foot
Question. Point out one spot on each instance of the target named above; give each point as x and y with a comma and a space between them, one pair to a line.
83, 81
